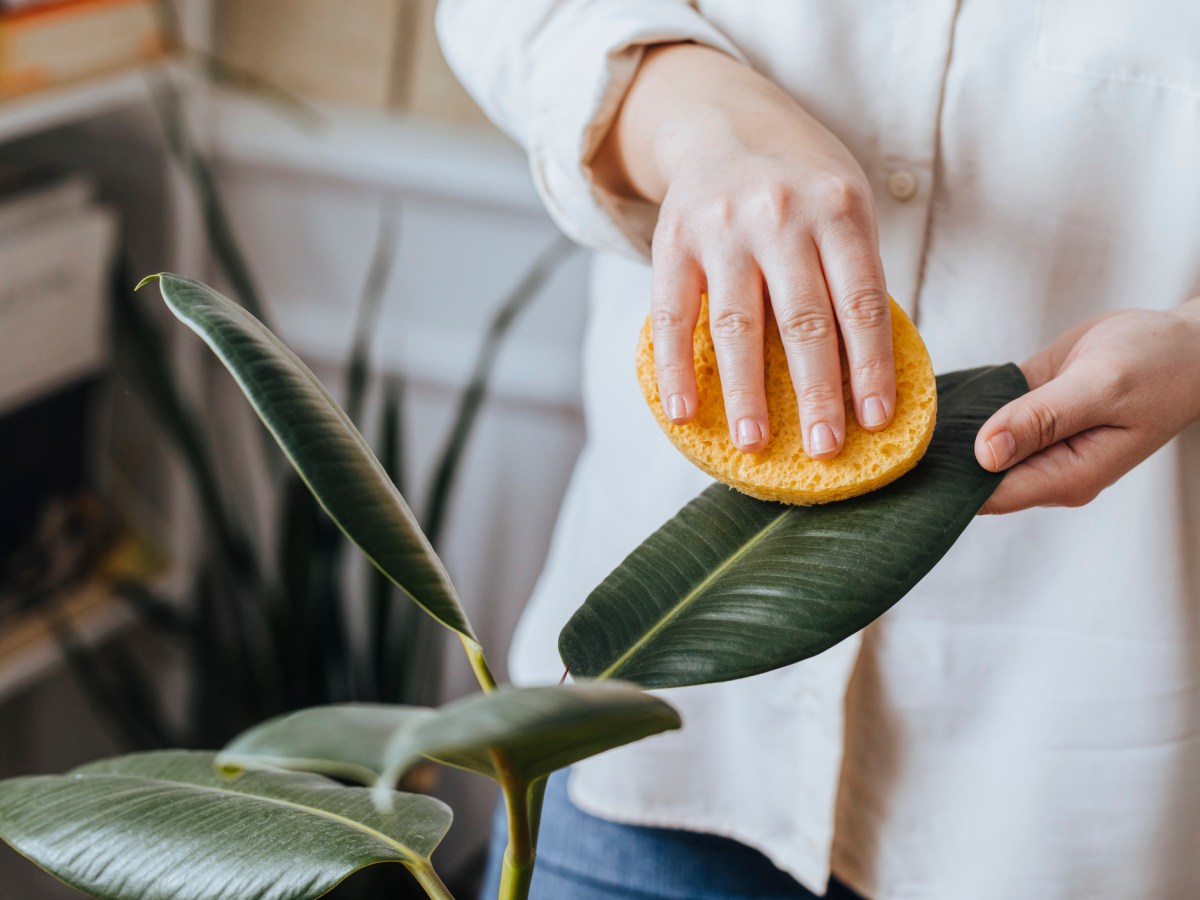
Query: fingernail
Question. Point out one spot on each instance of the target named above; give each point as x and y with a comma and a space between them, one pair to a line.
676, 408
748, 432
1004, 447
821, 439
873, 412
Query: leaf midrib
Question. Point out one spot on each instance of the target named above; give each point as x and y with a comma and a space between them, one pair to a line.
407, 852
691, 595
190, 311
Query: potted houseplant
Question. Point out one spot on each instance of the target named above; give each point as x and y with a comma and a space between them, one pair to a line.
265, 817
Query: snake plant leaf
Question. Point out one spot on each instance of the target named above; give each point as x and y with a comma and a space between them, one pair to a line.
539, 730
165, 825
733, 586
322, 444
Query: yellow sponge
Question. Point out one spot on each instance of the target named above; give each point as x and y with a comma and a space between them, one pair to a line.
782, 471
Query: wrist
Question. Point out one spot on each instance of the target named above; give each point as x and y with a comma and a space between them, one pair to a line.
1189, 312
676, 107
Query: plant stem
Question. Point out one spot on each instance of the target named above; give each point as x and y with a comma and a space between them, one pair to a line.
517, 870
515, 879
479, 664
429, 881
537, 793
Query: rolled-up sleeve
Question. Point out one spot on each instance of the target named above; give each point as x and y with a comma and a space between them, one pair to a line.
552, 74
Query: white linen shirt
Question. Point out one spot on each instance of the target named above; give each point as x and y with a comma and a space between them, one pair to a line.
1026, 723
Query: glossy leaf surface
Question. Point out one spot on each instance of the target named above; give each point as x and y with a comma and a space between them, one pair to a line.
322, 444
733, 586
345, 740
165, 825
540, 730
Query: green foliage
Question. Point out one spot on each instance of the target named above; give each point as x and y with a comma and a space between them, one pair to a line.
733, 586
541, 730
730, 587
322, 444
165, 825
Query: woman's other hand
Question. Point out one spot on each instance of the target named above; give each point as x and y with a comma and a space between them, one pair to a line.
758, 203
1103, 397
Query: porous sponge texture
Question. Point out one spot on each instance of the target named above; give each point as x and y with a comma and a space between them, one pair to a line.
782, 471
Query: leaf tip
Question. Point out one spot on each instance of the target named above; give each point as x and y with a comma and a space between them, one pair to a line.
382, 795
228, 767
145, 281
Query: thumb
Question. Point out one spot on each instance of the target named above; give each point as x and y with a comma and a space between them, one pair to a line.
1061, 407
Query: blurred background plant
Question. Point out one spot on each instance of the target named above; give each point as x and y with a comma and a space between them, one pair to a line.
269, 622
264, 612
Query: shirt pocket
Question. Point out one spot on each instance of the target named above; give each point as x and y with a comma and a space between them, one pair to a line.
1155, 44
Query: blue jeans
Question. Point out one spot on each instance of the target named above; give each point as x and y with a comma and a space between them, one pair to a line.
581, 857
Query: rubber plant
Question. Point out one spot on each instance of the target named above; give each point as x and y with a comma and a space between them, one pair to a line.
729, 587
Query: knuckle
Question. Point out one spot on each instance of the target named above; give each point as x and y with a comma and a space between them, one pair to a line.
720, 211
741, 396
1041, 423
665, 319
872, 371
670, 232
842, 199
731, 323
777, 204
805, 325
819, 395
671, 373
864, 308
1116, 383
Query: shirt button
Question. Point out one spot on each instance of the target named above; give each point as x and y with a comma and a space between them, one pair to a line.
902, 184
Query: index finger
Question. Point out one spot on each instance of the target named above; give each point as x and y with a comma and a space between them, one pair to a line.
674, 311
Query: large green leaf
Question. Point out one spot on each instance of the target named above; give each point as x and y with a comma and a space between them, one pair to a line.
345, 740
142, 345
322, 444
539, 730
733, 586
164, 825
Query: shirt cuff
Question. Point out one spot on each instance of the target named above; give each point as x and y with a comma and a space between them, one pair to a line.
588, 61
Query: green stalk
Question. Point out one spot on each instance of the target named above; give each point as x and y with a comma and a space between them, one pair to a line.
479, 664
429, 880
524, 808
522, 800
516, 873
537, 794
515, 878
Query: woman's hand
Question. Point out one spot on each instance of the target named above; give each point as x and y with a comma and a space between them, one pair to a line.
1104, 397
759, 203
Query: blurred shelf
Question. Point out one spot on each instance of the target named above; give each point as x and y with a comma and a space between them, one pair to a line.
28, 648
377, 152
75, 102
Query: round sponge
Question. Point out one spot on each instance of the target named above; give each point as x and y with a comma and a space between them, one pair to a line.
782, 471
